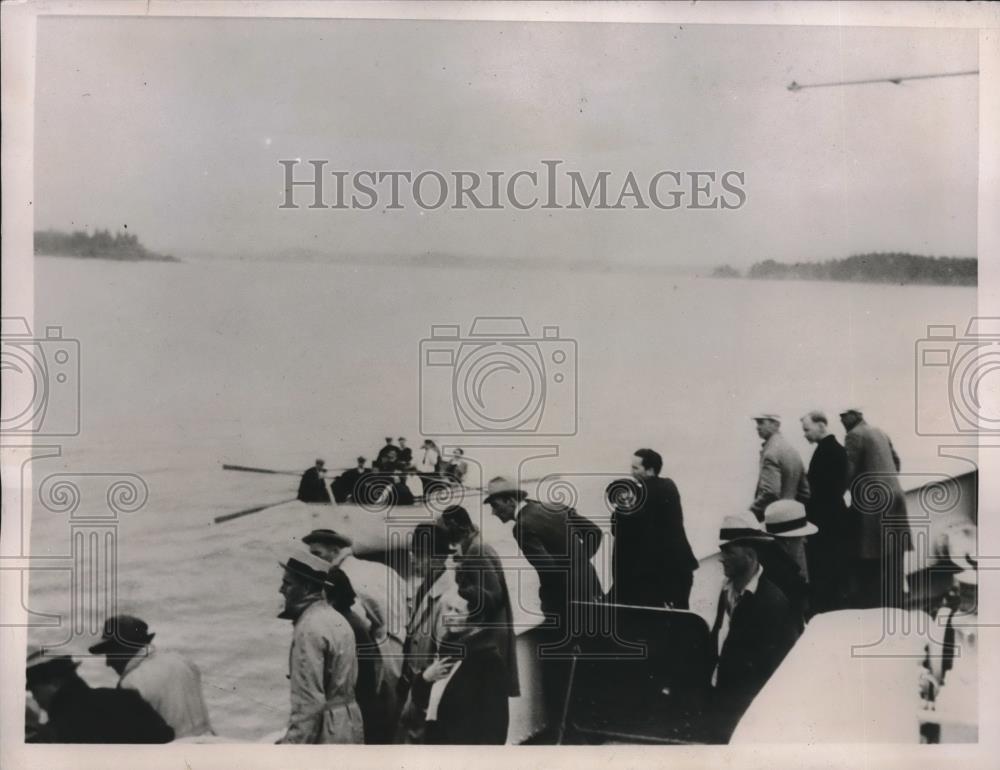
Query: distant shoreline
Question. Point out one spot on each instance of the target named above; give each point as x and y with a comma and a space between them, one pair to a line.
884, 267
120, 247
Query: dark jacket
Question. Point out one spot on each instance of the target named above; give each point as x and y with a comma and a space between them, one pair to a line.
651, 551
827, 484
473, 709
312, 487
559, 543
345, 486
481, 582
82, 714
761, 632
369, 672
783, 571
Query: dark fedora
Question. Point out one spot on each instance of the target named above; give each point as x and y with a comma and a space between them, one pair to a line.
122, 633
328, 536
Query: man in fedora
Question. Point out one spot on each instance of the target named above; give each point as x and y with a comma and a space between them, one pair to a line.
165, 680
559, 543
78, 713
878, 508
381, 595
754, 627
323, 663
781, 476
784, 560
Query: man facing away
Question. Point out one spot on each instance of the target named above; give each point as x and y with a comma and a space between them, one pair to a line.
165, 680
878, 507
312, 486
826, 550
652, 562
754, 628
323, 663
784, 560
782, 475
559, 544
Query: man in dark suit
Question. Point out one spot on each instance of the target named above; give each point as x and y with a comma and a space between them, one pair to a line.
754, 628
405, 458
826, 550
652, 562
879, 508
559, 543
382, 458
312, 486
782, 475
345, 486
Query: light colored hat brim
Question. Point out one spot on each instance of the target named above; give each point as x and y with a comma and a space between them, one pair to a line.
748, 539
808, 529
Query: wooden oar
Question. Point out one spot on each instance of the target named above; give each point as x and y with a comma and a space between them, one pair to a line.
248, 511
248, 469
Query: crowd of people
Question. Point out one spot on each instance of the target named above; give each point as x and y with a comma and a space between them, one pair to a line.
378, 659
387, 480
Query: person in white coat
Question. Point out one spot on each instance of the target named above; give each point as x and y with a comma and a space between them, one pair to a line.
322, 662
170, 683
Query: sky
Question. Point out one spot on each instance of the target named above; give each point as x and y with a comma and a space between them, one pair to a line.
174, 127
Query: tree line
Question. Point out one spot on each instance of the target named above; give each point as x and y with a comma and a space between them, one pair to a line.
879, 267
101, 244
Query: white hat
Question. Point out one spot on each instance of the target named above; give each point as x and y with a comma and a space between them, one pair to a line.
766, 416
787, 518
737, 529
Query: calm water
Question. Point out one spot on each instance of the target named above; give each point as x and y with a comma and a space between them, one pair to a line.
187, 366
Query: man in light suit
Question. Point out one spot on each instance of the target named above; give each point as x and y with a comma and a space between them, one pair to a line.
782, 475
878, 508
559, 543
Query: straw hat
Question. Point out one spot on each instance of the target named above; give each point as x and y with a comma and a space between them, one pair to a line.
737, 529
787, 518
